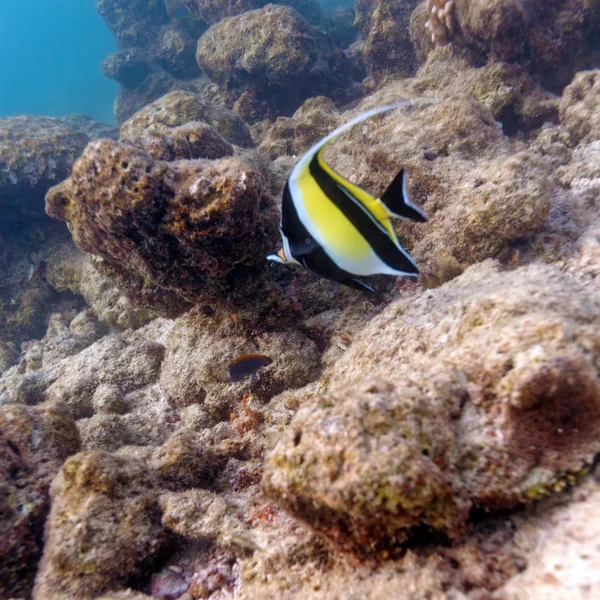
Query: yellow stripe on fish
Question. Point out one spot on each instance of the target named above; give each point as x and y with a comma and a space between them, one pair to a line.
337, 230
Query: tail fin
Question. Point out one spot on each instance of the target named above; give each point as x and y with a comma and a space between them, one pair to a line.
397, 200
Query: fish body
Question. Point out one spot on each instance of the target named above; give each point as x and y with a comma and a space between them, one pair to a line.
247, 365
337, 230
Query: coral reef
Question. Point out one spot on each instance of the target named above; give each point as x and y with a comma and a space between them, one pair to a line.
539, 35
35, 153
212, 12
156, 52
258, 56
296, 134
439, 437
34, 442
415, 431
103, 527
165, 223
180, 108
579, 107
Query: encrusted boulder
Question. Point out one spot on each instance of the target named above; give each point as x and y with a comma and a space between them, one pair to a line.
132, 23
270, 60
200, 348
482, 393
34, 442
35, 153
197, 228
155, 85
294, 135
180, 108
213, 11
129, 67
104, 526
537, 34
579, 112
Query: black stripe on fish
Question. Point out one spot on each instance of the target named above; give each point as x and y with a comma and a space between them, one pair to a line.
308, 252
365, 223
300, 240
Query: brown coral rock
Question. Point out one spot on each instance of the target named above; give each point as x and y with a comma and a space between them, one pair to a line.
385, 24
179, 108
33, 444
579, 112
195, 228
537, 34
213, 11
104, 524
258, 57
484, 391
296, 134
35, 153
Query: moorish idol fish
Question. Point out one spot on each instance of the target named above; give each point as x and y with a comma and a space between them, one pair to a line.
335, 229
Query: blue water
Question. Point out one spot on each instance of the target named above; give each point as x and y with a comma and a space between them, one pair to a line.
50, 55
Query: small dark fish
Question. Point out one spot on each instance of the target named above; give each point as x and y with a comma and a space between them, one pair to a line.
247, 365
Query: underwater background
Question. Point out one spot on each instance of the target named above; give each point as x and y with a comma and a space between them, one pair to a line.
215, 379
50, 55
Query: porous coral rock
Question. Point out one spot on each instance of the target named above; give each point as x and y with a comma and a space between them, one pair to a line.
166, 223
493, 428
183, 461
133, 22
202, 515
259, 56
154, 86
189, 141
34, 442
179, 108
129, 67
69, 270
104, 525
130, 364
579, 112
8, 355
559, 545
